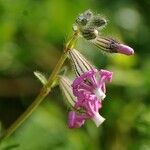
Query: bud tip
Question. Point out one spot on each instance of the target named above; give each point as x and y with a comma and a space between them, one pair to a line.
124, 49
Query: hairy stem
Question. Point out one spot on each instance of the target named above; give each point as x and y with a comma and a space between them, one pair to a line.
43, 92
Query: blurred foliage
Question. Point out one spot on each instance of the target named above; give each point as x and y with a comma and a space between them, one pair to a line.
33, 33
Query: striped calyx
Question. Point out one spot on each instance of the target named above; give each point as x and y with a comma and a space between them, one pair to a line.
65, 85
80, 64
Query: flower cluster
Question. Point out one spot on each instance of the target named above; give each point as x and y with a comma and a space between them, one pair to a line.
87, 91
89, 26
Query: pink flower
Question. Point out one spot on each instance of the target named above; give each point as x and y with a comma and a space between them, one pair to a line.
89, 89
86, 92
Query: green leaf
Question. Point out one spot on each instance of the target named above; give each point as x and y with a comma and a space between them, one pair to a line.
41, 77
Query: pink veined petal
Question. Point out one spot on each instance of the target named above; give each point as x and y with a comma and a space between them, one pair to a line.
98, 105
75, 121
86, 76
106, 75
81, 88
103, 87
90, 109
71, 119
86, 87
94, 80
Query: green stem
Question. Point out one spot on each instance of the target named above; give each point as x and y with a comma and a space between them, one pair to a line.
44, 91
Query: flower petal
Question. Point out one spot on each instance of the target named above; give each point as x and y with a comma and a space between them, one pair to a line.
98, 119
75, 121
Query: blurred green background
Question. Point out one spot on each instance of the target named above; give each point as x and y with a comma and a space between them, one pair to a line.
32, 36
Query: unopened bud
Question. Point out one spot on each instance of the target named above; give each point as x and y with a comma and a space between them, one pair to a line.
89, 33
111, 46
83, 18
97, 21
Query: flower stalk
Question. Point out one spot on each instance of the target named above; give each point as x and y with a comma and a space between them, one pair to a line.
43, 92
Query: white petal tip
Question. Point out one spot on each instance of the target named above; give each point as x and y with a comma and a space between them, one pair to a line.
98, 119
100, 94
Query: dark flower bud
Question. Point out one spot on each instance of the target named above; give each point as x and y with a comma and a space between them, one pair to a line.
89, 33
98, 21
83, 18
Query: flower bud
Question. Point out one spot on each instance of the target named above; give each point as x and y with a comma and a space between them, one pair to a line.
98, 21
89, 33
111, 46
83, 18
